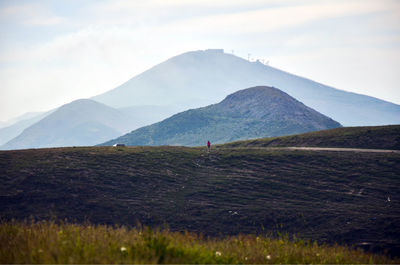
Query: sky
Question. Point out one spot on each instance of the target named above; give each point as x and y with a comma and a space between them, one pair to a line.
53, 52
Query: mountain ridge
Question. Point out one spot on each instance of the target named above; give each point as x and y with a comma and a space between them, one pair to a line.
198, 78
21, 123
249, 113
81, 122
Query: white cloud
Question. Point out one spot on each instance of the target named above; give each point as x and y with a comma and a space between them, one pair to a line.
44, 21
278, 18
31, 15
129, 6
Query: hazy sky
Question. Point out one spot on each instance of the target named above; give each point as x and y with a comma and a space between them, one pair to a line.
52, 52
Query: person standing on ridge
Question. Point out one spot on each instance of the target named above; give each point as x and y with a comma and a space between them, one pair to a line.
208, 146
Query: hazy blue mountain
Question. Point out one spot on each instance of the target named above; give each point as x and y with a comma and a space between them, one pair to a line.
25, 116
250, 113
3, 124
81, 122
146, 115
139, 116
18, 125
196, 79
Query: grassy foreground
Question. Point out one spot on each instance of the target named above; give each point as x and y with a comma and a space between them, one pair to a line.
48, 242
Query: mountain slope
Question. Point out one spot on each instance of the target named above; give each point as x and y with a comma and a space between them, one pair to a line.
195, 79
377, 137
250, 113
25, 116
139, 116
146, 115
81, 122
318, 195
21, 123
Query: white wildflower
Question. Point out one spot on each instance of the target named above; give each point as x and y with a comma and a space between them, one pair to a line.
123, 249
268, 257
218, 253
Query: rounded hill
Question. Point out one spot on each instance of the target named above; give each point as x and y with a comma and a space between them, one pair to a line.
250, 113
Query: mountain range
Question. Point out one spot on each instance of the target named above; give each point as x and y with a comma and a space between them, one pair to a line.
136, 116
81, 122
18, 125
199, 78
250, 113
192, 80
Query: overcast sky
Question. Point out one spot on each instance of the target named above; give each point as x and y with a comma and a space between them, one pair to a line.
52, 52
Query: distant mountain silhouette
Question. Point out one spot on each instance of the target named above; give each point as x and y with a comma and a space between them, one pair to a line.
250, 113
19, 124
81, 122
196, 79
139, 116
25, 116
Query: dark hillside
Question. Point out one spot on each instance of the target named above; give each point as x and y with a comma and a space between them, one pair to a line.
343, 197
376, 137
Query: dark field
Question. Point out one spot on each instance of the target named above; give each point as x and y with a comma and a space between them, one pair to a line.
345, 197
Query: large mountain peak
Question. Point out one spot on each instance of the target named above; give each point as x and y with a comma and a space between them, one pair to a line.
260, 96
199, 78
262, 101
259, 93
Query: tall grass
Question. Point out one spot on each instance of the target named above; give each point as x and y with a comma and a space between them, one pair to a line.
50, 242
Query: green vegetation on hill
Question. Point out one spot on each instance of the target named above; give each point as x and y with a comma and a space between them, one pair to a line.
249, 113
344, 197
376, 137
51, 243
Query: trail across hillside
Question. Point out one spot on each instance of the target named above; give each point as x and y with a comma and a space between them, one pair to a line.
342, 149
309, 148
